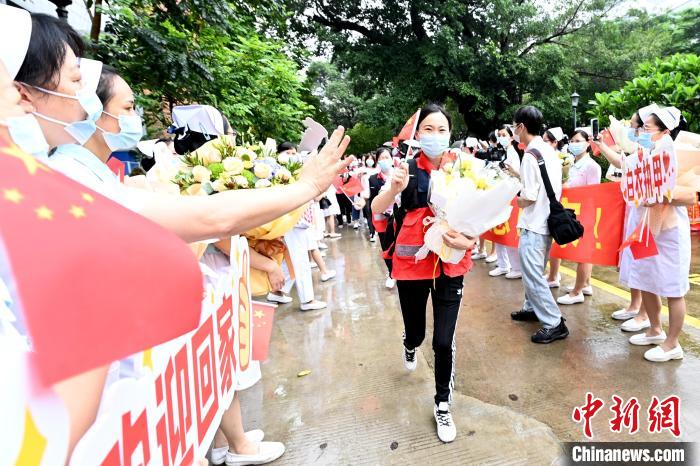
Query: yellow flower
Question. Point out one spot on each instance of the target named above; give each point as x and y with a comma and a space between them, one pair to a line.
466, 165
283, 158
209, 153
263, 184
219, 185
448, 167
482, 183
195, 190
240, 181
283, 175
262, 171
233, 165
201, 174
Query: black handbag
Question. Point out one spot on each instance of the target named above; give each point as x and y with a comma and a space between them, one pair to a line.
324, 203
562, 223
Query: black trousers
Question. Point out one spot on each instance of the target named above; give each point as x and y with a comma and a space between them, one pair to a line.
446, 296
345, 209
385, 244
367, 213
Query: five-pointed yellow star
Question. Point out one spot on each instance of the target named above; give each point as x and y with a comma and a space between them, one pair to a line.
13, 195
44, 213
30, 162
77, 212
88, 197
259, 314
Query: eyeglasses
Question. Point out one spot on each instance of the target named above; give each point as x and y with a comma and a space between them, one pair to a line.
650, 129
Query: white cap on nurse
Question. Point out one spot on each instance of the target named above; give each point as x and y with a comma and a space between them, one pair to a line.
646, 112
669, 116
15, 32
557, 132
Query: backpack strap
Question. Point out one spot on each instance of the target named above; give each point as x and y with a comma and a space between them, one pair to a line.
545, 177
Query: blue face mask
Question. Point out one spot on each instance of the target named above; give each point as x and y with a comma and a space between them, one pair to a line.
645, 141
385, 165
576, 148
82, 130
131, 132
433, 145
26, 133
632, 134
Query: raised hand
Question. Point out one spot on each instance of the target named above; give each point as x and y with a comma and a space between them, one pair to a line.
321, 168
400, 178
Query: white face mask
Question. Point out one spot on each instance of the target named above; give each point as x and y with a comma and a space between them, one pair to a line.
516, 137
369, 162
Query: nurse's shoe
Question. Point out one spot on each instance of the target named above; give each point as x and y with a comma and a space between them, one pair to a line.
633, 325
390, 282
267, 453
587, 291
514, 275
497, 272
478, 255
218, 455
409, 359
446, 429
281, 299
568, 299
491, 259
641, 339
554, 283
313, 305
328, 275
624, 314
659, 355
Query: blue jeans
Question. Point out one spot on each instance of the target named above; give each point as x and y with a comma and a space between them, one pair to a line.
534, 252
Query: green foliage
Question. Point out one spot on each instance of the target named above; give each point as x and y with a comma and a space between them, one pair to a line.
210, 52
671, 81
366, 138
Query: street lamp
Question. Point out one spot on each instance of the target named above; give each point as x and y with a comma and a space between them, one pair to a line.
574, 104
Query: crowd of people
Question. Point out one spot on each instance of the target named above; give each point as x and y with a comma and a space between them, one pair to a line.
72, 113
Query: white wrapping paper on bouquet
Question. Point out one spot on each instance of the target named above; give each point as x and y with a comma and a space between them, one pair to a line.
470, 204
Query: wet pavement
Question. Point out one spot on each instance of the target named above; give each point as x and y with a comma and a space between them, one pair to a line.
513, 400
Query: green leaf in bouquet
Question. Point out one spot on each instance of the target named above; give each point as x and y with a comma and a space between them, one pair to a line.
191, 160
216, 169
250, 177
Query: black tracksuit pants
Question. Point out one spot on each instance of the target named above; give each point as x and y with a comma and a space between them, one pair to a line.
446, 295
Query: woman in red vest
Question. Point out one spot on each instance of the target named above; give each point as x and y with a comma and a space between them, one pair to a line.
409, 188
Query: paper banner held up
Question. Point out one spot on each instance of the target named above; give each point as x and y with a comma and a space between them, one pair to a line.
314, 134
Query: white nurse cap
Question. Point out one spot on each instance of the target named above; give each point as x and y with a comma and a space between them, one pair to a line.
15, 32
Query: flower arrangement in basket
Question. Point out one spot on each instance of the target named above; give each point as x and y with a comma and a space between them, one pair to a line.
468, 196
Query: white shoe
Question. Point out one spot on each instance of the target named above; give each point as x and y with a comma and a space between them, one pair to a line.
554, 283
322, 245
355, 226
624, 314
327, 276
659, 355
218, 455
587, 291
267, 453
275, 298
479, 255
641, 339
409, 359
634, 325
313, 305
497, 272
314, 265
514, 275
323, 253
568, 299
390, 282
446, 429
491, 259
334, 235
373, 238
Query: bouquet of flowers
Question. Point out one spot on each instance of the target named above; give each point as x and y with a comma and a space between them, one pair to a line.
219, 165
467, 196
567, 160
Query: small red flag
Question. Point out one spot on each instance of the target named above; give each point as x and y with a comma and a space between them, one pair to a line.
86, 302
263, 318
350, 187
641, 242
409, 129
117, 166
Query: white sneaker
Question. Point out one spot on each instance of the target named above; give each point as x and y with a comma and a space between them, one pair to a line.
355, 226
514, 275
479, 255
409, 359
624, 314
390, 282
218, 455
587, 291
313, 305
314, 265
659, 355
334, 235
641, 339
554, 283
281, 299
633, 325
497, 272
568, 299
322, 245
328, 275
446, 429
267, 453
373, 238
491, 259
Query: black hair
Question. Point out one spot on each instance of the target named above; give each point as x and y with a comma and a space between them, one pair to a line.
560, 144
530, 117
434, 108
508, 129
285, 146
105, 87
190, 141
47, 51
638, 118
682, 125
492, 136
381, 150
586, 136
227, 124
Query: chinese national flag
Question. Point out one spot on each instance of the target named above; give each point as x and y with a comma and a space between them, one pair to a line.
641, 243
349, 187
96, 282
263, 318
409, 129
117, 166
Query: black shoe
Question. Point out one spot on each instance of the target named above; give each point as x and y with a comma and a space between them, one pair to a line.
548, 335
523, 315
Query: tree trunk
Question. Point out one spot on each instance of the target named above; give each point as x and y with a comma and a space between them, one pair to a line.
96, 22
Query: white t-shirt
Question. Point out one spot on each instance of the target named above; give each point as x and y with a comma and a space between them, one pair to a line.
534, 217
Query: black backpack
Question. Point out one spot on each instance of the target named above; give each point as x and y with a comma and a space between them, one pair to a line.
562, 223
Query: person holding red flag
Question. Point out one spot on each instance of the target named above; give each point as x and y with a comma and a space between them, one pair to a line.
416, 280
